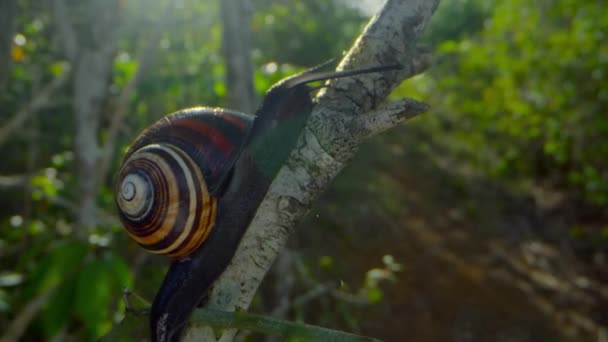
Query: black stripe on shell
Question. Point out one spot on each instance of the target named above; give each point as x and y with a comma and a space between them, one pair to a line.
204, 142
147, 224
184, 203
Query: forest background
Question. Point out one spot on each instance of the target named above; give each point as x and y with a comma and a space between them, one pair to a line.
484, 219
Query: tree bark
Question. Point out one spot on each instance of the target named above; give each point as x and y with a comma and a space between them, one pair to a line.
236, 47
8, 16
89, 87
146, 59
91, 52
343, 118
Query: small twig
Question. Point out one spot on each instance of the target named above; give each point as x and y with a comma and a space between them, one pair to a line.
242, 320
324, 289
268, 325
348, 297
104, 217
126, 293
319, 289
312, 294
41, 100
138, 263
12, 181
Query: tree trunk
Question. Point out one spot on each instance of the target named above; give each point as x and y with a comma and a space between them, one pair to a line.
8, 16
90, 49
90, 86
236, 46
343, 118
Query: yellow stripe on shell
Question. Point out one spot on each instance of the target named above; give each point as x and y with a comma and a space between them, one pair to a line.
173, 199
206, 224
205, 221
208, 205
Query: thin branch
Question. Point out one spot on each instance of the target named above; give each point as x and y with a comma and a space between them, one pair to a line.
41, 100
13, 181
378, 121
268, 325
234, 321
325, 146
67, 34
318, 289
323, 290
17, 327
103, 217
7, 182
145, 59
236, 48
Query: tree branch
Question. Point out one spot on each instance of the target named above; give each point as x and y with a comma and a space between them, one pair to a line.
92, 72
236, 48
102, 217
378, 121
268, 325
67, 34
40, 100
328, 142
146, 58
12, 181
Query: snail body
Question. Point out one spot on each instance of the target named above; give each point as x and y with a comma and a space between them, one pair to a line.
191, 183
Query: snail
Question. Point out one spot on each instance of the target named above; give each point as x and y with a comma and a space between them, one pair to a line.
190, 184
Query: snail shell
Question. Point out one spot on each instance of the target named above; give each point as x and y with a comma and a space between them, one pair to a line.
170, 179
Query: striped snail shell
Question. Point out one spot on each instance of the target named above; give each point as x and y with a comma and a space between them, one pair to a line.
170, 179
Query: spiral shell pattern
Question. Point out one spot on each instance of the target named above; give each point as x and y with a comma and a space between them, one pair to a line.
172, 177
163, 200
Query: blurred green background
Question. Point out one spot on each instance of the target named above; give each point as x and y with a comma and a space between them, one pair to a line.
484, 219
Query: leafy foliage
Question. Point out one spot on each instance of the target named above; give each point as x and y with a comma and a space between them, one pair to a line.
524, 99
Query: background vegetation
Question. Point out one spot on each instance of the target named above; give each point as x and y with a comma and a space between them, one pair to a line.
482, 220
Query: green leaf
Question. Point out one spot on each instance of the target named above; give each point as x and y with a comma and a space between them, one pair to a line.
58, 269
58, 68
92, 298
122, 275
64, 259
374, 295
326, 262
57, 312
99, 288
5, 305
